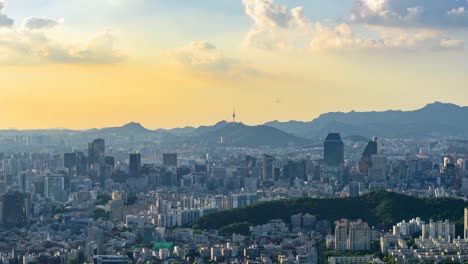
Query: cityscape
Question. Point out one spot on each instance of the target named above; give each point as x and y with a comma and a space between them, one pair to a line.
201, 195
233, 131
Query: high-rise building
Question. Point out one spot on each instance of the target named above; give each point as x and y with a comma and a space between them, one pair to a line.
352, 236
366, 159
135, 165
97, 150
295, 169
54, 186
109, 161
341, 235
69, 160
354, 189
465, 228
268, 167
96, 235
15, 209
333, 153
378, 170
250, 164
170, 159
359, 236
438, 230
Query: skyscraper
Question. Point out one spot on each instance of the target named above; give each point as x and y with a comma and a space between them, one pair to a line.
354, 189
96, 235
359, 236
268, 167
15, 209
333, 150
69, 160
135, 165
250, 164
97, 150
378, 169
465, 228
341, 235
170, 159
366, 159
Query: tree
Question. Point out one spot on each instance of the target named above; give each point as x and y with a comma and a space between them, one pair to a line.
99, 213
73, 261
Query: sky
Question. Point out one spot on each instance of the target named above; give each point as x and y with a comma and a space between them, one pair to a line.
96, 63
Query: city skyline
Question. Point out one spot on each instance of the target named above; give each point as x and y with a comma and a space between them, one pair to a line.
165, 64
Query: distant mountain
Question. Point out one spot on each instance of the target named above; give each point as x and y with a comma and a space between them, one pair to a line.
125, 130
238, 134
182, 131
433, 120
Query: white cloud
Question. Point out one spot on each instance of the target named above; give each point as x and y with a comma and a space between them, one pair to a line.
452, 43
36, 46
5, 21
342, 37
31, 43
411, 13
275, 26
201, 55
40, 23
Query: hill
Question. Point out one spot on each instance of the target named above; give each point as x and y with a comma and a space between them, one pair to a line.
241, 135
380, 209
436, 119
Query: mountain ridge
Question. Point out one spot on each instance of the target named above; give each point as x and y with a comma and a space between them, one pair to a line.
434, 119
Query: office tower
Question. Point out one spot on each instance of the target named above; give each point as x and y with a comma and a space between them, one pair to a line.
170, 159
465, 228
250, 164
378, 169
295, 169
333, 153
359, 236
366, 159
70, 160
15, 209
341, 235
81, 163
109, 161
268, 167
97, 150
38, 187
96, 235
135, 165
354, 189
54, 186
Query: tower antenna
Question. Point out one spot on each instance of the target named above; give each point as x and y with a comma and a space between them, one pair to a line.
234, 115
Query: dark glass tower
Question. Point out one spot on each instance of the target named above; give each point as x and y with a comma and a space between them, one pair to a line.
135, 165
366, 159
333, 150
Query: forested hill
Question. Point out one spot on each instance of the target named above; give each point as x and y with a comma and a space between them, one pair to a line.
381, 209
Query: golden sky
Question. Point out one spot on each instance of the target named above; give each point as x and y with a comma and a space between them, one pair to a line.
286, 64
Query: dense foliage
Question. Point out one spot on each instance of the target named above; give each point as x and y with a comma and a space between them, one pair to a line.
380, 209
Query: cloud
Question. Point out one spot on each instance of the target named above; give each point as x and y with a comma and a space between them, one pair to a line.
341, 37
5, 21
275, 26
201, 55
40, 23
411, 13
36, 46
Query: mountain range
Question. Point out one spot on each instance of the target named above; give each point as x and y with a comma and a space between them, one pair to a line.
433, 120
